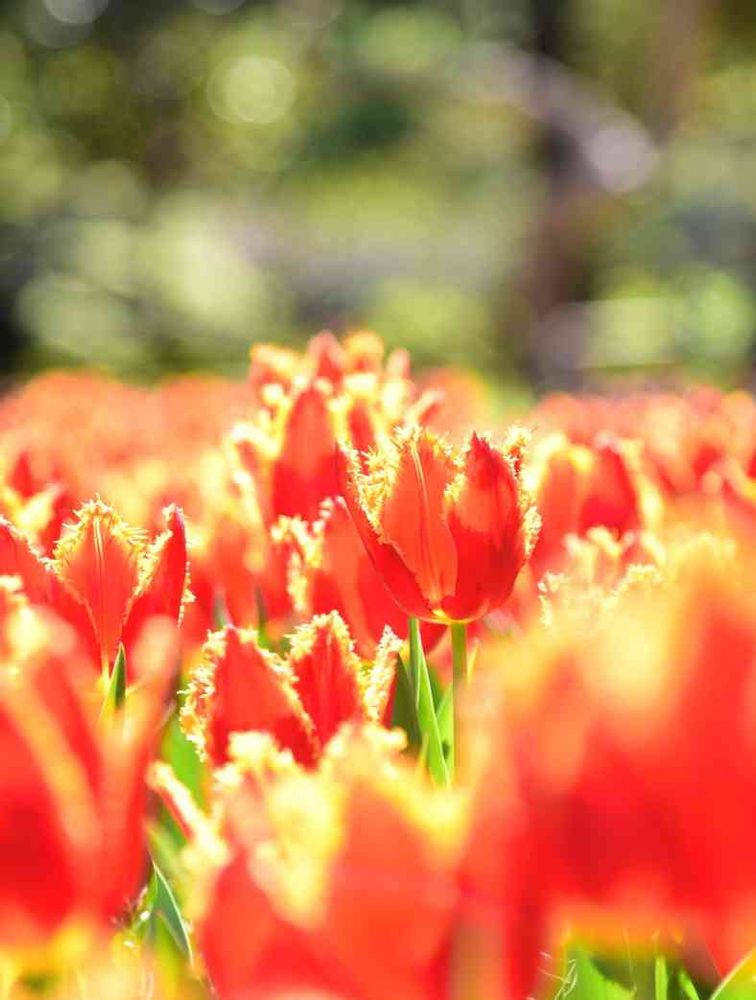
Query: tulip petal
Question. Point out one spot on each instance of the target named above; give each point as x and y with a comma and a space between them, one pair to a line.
37, 875
382, 836
327, 672
41, 586
412, 515
385, 558
162, 590
486, 522
98, 558
304, 473
240, 687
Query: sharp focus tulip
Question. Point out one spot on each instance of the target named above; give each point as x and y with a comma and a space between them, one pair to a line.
447, 530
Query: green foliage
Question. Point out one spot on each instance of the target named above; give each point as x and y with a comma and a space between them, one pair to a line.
177, 180
115, 695
740, 984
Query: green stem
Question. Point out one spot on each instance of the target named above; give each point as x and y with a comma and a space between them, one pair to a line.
430, 735
415, 651
459, 675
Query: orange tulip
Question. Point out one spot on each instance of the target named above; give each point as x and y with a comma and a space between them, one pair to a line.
301, 700
447, 530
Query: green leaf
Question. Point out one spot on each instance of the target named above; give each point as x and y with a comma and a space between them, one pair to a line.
740, 984
115, 696
687, 987
443, 702
181, 754
445, 716
426, 709
661, 978
405, 713
583, 981
162, 906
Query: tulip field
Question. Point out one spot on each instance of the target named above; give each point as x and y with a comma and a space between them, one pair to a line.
335, 684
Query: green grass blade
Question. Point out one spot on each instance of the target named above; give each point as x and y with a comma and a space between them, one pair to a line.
586, 982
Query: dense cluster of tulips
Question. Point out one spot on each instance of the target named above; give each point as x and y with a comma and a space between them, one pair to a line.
325, 687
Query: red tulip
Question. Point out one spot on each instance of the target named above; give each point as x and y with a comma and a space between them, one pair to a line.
72, 792
329, 569
105, 579
447, 530
301, 700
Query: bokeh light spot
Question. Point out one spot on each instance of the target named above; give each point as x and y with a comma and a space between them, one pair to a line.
76, 12
251, 90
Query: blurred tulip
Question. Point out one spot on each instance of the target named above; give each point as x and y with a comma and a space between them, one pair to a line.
339, 882
325, 358
301, 699
633, 804
72, 791
578, 487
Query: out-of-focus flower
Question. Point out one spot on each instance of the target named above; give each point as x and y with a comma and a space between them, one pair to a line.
736, 491
38, 508
578, 487
334, 392
289, 454
360, 353
106, 579
290, 450
305, 893
112, 973
302, 700
633, 757
139, 448
238, 574
329, 570
72, 791
684, 435
447, 529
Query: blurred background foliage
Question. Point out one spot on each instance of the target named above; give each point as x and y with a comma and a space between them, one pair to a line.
554, 190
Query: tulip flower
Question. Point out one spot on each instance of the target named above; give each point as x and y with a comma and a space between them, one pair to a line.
339, 882
360, 353
289, 448
72, 792
301, 699
632, 758
579, 487
448, 530
106, 579
329, 570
